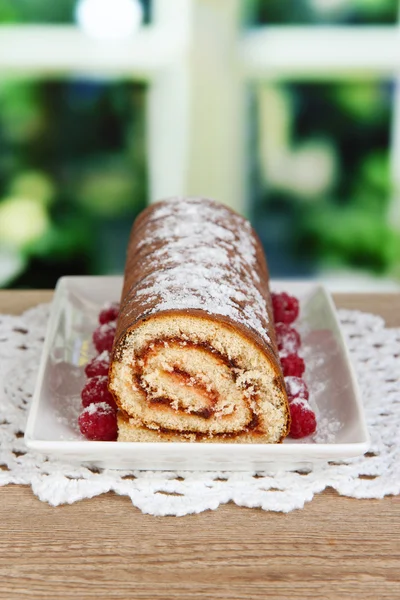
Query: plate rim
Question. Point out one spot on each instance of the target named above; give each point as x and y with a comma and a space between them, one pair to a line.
279, 451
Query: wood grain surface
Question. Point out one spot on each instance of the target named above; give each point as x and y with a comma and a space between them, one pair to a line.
335, 548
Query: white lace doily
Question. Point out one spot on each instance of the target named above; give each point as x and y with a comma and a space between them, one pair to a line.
376, 355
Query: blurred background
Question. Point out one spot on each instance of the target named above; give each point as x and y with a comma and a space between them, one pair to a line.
289, 110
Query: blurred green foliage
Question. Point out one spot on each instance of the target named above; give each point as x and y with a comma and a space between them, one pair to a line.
36, 11
352, 236
344, 224
72, 165
73, 162
319, 12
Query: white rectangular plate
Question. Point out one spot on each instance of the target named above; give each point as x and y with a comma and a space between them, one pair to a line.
52, 424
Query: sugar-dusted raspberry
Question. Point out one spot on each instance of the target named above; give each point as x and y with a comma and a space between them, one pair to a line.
98, 422
103, 337
296, 388
292, 365
285, 307
303, 419
288, 339
96, 390
109, 313
99, 365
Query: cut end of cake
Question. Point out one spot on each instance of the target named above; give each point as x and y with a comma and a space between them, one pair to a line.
186, 377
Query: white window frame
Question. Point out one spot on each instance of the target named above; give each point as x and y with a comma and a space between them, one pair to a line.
197, 60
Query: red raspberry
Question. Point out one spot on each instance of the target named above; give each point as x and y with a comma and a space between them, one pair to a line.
285, 307
103, 337
96, 390
288, 339
292, 365
99, 422
296, 388
99, 365
109, 313
303, 419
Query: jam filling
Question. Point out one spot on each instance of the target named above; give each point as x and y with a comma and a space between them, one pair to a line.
211, 397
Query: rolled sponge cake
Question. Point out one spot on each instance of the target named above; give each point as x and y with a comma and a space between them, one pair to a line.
195, 356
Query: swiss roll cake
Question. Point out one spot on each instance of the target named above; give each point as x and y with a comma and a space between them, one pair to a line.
195, 356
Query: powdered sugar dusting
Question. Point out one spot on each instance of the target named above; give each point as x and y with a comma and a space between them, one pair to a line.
208, 261
289, 346
327, 430
95, 407
319, 382
106, 328
295, 386
302, 402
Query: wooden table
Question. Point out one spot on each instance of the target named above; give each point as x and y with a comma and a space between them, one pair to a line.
335, 548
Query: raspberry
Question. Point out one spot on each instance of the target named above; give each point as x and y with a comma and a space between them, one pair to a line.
285, 307
98, 422
103, 337
292, 365
303, 419
99, 365
296, 388
288, 339
96, 390
109, 313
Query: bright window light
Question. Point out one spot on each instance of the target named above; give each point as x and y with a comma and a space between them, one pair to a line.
109, 19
